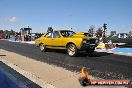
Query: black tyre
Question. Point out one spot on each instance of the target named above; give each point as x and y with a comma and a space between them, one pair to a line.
90, 51
71, 50
42, 47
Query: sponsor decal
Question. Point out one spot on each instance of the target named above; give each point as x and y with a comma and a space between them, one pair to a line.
85, 80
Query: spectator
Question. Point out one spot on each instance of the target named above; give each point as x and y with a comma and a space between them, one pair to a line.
16, 37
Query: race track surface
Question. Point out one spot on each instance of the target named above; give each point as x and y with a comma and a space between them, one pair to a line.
101, 64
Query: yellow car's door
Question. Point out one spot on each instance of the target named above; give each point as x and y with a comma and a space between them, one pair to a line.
57, 40
48, 39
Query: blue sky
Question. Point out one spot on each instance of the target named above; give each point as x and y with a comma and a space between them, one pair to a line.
60, 14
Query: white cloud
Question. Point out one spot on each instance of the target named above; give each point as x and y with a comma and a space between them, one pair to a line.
13, 19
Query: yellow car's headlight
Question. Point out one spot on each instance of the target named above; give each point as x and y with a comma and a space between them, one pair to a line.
85, 42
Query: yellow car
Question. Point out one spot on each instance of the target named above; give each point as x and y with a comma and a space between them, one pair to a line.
66, 39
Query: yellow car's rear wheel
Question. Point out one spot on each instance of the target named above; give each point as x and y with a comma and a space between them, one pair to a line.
42, 47
71, 50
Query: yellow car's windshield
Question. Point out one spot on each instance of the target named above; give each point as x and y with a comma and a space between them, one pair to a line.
67, 33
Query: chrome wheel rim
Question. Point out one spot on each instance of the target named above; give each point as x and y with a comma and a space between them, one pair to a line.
42, 47
71, 50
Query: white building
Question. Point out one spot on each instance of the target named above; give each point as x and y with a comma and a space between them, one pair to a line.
122, 35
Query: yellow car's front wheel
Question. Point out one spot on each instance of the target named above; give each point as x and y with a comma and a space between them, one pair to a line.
71, 50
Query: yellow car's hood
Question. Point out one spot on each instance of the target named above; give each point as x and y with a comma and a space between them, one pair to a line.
80, 35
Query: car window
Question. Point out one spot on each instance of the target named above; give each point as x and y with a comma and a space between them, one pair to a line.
67, 33
48, 35
56, 34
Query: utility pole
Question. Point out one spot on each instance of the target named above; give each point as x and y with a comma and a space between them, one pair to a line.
105, 27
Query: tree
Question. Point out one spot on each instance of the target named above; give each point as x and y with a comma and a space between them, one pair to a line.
130, 34
12, 32
6, 31
113, 33
1, 31
99, 32
91, 31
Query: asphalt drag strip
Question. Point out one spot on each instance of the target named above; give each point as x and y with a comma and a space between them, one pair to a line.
102, 64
